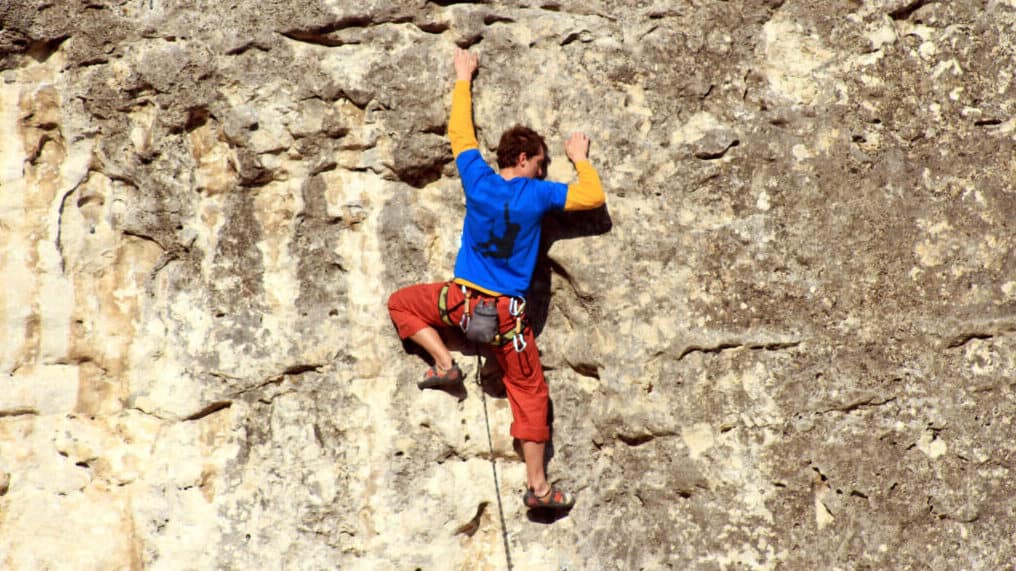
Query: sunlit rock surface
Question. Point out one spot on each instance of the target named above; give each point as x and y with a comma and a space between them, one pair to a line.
788, 341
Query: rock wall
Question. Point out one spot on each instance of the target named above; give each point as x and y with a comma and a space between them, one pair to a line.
788, 341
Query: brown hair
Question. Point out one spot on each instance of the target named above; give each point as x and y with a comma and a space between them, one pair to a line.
519, 139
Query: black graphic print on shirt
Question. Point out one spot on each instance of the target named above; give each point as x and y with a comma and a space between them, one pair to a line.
502, 246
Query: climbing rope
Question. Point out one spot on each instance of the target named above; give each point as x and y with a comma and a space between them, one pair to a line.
493, 461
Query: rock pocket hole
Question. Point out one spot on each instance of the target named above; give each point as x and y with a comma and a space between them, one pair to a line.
635, 439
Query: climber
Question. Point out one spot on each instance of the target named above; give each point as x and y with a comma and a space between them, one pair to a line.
495, 263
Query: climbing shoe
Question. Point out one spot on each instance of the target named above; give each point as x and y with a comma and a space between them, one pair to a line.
554, 499
450, 379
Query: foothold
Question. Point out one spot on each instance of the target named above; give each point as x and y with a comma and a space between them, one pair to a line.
470, 528
715, 144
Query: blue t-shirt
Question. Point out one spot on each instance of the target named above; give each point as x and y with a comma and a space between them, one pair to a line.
501, 232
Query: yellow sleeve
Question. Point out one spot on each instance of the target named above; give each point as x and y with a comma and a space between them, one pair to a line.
587, 193
460, 124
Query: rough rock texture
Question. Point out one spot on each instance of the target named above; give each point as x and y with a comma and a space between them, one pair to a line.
789, 341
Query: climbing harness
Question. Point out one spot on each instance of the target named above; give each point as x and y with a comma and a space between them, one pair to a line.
482, 319
493, 462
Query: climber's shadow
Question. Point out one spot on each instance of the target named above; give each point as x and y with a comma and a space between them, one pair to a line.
546, 516
556, 226
559, 226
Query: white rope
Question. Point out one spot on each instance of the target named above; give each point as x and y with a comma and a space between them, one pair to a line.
493, 461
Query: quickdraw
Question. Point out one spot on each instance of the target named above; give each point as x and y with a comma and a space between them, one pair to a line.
516, 307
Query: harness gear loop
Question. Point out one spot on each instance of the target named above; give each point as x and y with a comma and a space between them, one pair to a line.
464, 321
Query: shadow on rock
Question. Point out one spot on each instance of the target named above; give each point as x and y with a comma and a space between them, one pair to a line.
491, 376
559, 226
546, 516
458, 391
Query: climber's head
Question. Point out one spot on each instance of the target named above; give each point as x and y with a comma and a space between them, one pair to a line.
522, 152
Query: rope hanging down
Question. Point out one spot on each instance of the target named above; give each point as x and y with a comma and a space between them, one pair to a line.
493, 462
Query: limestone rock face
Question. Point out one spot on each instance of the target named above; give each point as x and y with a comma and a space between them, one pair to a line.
788, 341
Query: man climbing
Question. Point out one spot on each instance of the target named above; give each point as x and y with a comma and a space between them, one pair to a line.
495, 263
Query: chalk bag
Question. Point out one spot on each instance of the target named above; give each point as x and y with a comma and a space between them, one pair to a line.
482, 327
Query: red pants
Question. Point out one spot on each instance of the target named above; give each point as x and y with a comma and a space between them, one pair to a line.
415, 307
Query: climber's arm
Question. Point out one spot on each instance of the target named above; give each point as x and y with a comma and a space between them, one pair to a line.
460, 125
587, 193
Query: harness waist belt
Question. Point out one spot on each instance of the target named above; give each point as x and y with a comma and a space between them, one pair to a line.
499, 340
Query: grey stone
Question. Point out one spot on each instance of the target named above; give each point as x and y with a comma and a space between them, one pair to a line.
786, 342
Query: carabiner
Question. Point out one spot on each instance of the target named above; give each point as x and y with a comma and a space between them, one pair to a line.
464, 320
516, 306
519, 342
